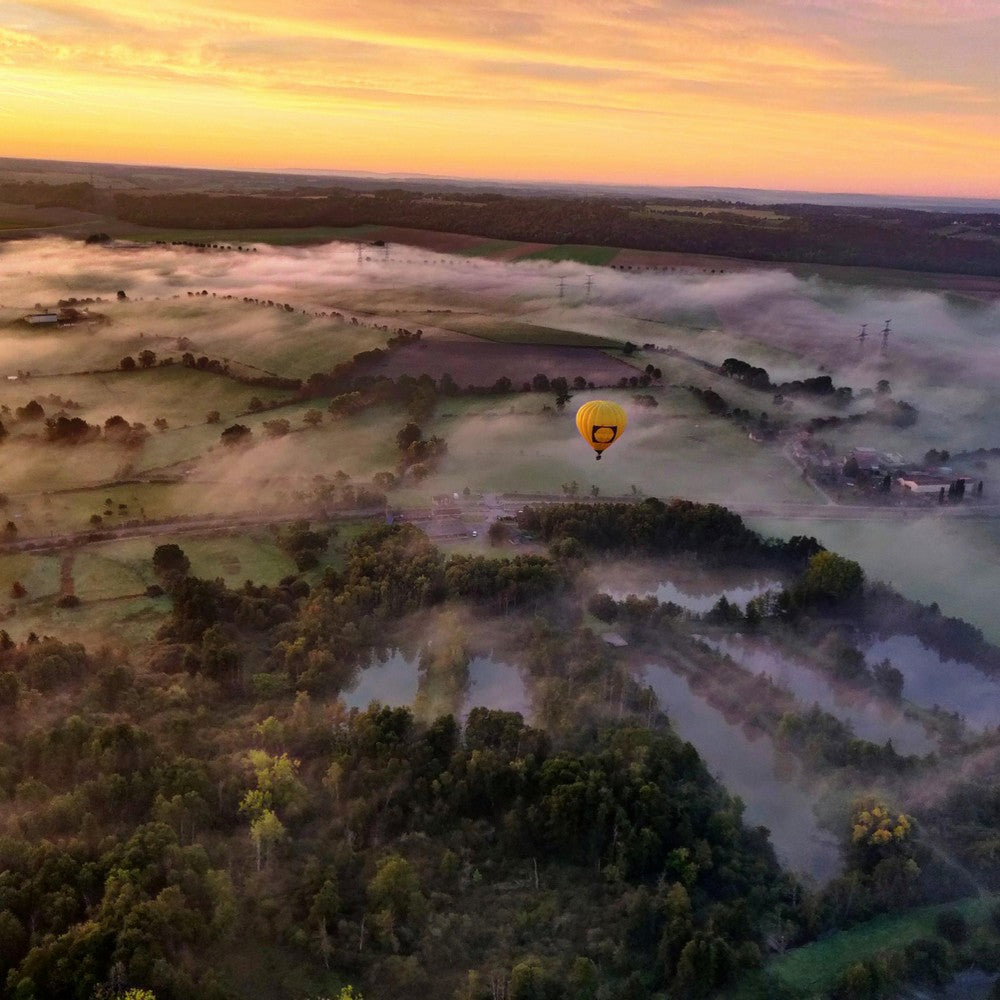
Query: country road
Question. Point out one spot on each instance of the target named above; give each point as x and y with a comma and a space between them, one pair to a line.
455, 522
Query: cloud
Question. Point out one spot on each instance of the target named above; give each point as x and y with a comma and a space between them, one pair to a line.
711, 92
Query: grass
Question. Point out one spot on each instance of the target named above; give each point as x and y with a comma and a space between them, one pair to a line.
580, 254
141, 396
275, 237
816, 967
675, 449
39, 575
488, 247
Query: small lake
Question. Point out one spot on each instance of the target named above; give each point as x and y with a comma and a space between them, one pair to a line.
876, 721
931, 680
696, 590
395, 682
768, 782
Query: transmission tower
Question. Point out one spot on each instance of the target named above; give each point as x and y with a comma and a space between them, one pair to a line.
863, 335
885, 334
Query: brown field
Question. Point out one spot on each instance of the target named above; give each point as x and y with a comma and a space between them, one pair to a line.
476, 362
451, 242
666, 259
425, 238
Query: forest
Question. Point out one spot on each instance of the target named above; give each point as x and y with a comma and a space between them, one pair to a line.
864, 237
207, 819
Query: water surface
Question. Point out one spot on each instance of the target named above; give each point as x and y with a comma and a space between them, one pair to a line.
873, 720
931, 680
770, 783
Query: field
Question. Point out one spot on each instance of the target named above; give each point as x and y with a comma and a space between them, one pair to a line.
672, 450
275, 237
471, 361
814, 968
578, 254
514, 332
483, 318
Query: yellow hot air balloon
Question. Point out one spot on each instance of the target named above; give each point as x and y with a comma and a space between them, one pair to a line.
600, 424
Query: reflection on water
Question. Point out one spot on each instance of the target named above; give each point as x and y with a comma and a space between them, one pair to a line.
495, 684
391, 682
768, 781
394, 682
929, 680
697, 593
875, 721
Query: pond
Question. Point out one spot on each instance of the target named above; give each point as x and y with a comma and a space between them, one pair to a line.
932, 680
770, 783
692, 587
873, 720
395, 682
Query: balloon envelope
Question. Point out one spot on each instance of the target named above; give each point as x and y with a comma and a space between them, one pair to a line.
600, 423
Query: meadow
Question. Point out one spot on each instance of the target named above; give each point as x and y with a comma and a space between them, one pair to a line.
482, 318
815, 968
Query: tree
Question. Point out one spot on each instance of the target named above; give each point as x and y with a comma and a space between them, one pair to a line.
540, 383
160, 424
127, 364
116, 428
603, 606
882, 387
169, 561
121, 295
277, 428
17, 590
236, 434
147, 358
408, 435
213, 417
255, 405
497, 533
833, 578
312, 418
32, 410
266, 831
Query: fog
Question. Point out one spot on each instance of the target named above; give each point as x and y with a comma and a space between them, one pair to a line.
938, 354
938, 357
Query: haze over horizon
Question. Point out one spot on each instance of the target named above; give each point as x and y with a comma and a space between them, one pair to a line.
888, 96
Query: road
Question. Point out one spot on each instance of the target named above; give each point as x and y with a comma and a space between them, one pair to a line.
481, 512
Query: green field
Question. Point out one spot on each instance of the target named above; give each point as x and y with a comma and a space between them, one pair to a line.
180, 395
579, 254
675, 449
815, 967
488, 247
275, 237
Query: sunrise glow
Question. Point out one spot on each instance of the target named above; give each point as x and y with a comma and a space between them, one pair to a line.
895, 96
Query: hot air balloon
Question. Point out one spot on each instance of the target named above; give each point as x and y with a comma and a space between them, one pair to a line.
600, 424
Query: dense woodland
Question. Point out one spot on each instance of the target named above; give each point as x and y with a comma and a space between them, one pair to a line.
870, 237
205, 819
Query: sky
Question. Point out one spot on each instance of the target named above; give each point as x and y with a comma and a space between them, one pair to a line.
883, 96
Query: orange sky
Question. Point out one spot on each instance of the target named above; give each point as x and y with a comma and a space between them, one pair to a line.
894, 96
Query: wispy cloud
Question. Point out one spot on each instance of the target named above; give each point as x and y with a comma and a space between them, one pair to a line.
714, 75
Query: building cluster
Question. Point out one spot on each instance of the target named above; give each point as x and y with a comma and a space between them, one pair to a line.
882, 470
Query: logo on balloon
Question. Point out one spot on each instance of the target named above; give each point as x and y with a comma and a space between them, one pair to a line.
603, 434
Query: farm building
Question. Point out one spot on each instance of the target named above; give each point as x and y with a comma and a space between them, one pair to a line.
41, 319
928, 482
